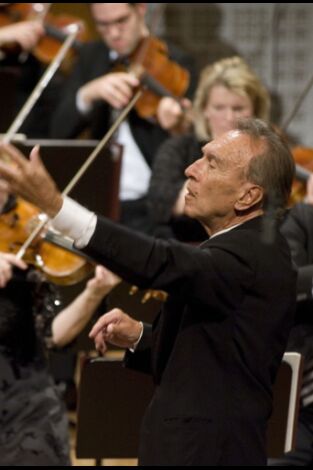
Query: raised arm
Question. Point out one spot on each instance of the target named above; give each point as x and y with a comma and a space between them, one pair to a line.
71, 321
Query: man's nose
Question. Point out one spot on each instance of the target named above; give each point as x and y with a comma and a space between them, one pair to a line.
194, 170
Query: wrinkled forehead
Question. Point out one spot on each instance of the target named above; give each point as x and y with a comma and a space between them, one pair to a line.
235, 145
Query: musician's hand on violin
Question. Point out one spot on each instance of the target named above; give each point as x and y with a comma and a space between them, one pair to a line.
117, 328
114, 88
25, 33
103, 282
171, 113
7, 261
30, 179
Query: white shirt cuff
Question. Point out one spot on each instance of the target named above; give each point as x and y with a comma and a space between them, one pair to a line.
76, 222
133, 349
82, 107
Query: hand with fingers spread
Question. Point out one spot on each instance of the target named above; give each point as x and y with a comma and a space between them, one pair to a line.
117, 328
114, 88
7, 262
30, 180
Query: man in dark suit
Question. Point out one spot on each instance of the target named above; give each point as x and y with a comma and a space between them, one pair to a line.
98, 88
220, 338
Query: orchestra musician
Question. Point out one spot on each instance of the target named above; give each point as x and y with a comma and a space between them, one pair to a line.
24, 71
33, 420
96, 90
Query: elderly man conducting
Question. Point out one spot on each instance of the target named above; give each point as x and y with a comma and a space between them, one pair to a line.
217, 344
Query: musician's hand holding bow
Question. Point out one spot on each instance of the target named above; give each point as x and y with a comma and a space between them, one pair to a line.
25, 33
29, 179
115, 88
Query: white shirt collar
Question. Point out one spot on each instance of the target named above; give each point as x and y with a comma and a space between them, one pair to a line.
225, 230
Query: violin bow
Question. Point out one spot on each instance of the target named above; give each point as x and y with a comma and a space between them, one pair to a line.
41, 85
44, 218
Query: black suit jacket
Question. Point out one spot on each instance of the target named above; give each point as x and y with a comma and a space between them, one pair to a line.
217, 344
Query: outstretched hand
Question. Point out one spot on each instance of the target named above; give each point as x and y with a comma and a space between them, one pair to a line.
29, 179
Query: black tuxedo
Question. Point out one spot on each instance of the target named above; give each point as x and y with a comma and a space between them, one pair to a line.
217, 344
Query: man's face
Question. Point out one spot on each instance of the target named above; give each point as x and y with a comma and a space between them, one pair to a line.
216, 181
120, 25
224, 108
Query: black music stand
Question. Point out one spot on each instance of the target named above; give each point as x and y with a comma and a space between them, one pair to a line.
9, 77
111, 404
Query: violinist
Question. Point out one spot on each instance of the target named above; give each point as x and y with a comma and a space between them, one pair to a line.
33, 423
17, 40
96, 91
227, 91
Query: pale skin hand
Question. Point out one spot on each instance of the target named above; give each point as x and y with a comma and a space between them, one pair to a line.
30, 180
171, 113
102, 283
25, 33
114, 88
117, 328
7, 262
71, 320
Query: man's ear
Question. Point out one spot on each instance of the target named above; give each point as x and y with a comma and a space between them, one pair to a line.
249, 196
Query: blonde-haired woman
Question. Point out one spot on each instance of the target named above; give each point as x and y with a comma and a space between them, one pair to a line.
227, 91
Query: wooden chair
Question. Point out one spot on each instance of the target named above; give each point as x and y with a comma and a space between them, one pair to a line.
286, 398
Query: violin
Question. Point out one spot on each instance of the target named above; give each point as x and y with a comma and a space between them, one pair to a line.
56, 28
50, 252
158, 74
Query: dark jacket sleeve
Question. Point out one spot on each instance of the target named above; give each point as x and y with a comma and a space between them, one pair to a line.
67, 122
177, 268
